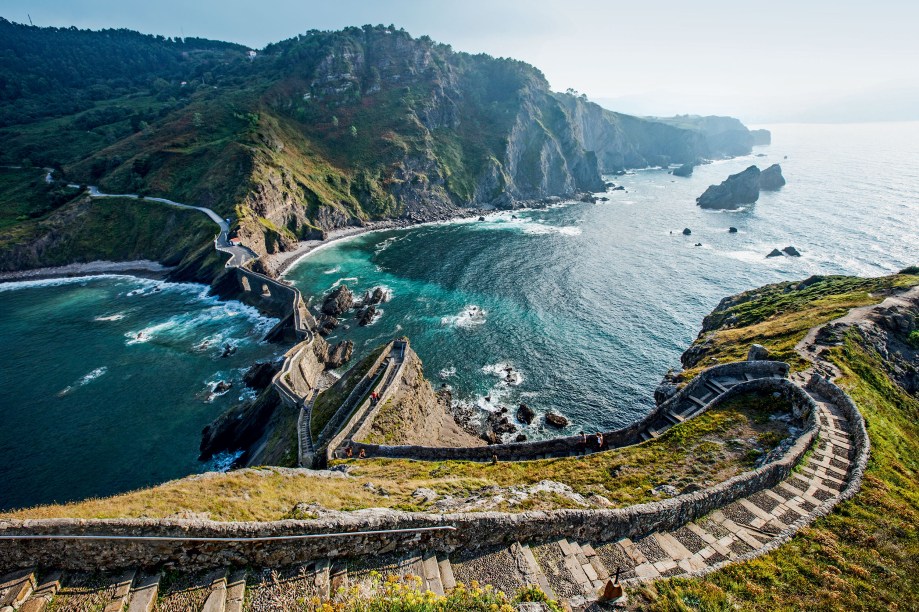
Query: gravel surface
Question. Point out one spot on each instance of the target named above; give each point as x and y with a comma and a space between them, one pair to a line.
495, 567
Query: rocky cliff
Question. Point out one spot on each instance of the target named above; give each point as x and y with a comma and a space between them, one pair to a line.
416, 414
330, 129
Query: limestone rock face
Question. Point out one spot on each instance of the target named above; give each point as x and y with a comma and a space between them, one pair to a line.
757, 352
737, 190
771, 178
339, 301
260, 374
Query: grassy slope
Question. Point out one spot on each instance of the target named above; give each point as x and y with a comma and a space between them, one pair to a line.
778, 316
864, 555
688, 453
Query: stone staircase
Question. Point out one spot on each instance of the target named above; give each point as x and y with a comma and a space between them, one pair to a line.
566, 569
693, 403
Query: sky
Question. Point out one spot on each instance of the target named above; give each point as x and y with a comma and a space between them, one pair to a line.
768, 61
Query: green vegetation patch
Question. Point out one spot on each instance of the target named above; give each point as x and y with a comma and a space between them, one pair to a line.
778, 316
697, 453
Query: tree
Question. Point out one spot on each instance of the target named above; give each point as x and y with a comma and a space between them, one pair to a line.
334, 120
197, 120
353, 132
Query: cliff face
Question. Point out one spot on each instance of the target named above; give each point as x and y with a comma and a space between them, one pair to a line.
330, 129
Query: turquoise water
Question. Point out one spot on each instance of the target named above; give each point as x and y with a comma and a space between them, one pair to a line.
88, 408
592, 303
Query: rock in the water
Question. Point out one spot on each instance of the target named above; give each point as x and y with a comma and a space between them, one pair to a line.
520, 438
739, 189
790, 250
222, 386
525, 414
687, 231
761, 137
556, 420
481, 218
684, 170
337, 302
618, 188
732, 230
376, 296
367, 314
774, 253
771, 178
260, 374
757, 352
339, 354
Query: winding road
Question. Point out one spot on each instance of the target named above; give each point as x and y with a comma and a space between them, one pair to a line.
238, 254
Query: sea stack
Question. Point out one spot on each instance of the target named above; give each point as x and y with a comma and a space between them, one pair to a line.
739, 189
771, 178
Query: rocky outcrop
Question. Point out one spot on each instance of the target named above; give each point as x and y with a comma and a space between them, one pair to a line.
687, 231
339, 354
684, 170
761, 137
367, 315
757, 352
525, 414
556, 420
737, 190
415, 414
259, 375
791, 251
771, 178
338, 302
775, 253
240, 427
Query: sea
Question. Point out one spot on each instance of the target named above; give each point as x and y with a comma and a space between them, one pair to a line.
588, 304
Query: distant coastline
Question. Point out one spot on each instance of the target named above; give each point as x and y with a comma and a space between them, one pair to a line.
143, 268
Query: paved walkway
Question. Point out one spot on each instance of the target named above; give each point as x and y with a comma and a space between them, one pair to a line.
238, 254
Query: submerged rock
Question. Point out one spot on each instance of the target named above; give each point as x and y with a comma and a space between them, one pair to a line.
737, 190
771, 178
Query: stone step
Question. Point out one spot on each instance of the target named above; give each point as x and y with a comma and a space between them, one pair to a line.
565, 572
719, 386
236, 591
16, 587
532, 573
431, 573
44, 592
695, 400
216, 600
121, 591
446, 574
143, 595
270, 589
189, 590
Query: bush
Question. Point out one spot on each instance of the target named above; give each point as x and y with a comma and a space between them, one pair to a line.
910, 270
913, 339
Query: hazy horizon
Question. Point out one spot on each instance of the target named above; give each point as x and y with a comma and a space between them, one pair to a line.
778, 62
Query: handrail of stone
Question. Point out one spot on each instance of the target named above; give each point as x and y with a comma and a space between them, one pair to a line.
362, 418
342, 415
473, 529
854, 482
345, 417
279, 381
567, 445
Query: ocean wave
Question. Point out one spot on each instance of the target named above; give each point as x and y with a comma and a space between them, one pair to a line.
70, 280
353, 279
84, 380
112, 317
223, 461
469, 316
508, 374
446, 373
332, 270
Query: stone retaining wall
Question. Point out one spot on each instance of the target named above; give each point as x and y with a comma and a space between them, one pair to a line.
569, 445
473, 530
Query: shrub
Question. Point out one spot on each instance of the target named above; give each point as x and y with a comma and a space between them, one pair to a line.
913, 339
910, 270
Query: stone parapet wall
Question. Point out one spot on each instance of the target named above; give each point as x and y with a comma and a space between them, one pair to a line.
376, 531
335, 427
568, 445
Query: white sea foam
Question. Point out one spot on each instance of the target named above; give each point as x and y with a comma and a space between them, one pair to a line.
469, 316
448, 372
223, 461
84, 380
508, 374
332, 270
112, 317
352, 279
